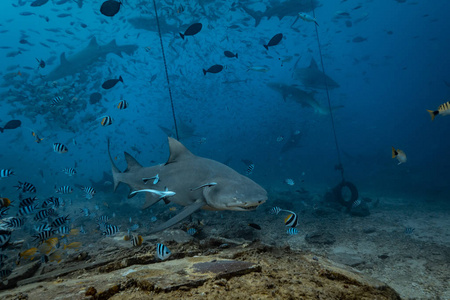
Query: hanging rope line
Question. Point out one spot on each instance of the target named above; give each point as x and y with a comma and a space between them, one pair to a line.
339, 167
167, 73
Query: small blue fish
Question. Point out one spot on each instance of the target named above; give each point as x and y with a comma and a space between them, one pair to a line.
275, 210
191, 231
155, 179
69, 171
250, 169
409, 230
162, 252
292, 231
356, 203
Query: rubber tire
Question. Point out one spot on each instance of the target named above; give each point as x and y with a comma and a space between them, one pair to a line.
340, 198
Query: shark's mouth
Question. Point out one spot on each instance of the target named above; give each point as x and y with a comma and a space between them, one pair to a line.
245, 206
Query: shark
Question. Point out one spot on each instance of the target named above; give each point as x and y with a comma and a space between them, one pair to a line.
312, 77
80, 61
282, 9
191, 181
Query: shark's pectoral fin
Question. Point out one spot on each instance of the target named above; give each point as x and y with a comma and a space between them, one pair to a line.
150, 199
186, 212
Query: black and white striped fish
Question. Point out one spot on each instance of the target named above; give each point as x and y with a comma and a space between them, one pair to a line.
5, 236
60, 148
111, 230
60, 221
356, 203
137, 240
26, 210
42, 227
53, 202
5, 273
291, 220
63, 230
103, 219
6, 173
14, 222
3, 211
89, 192
162, 252
43, 235
56, 101
106, 121
250, 169
409, 230
292, 231
69, 171
275, 210
27, 201
41, 215
26, 187
122, 105
65, 189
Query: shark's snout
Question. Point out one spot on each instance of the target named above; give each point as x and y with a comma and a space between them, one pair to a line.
245, 205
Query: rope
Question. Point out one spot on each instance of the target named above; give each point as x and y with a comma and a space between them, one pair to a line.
167, 73
339, 167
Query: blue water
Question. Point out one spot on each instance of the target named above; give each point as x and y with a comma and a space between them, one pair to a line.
386, 84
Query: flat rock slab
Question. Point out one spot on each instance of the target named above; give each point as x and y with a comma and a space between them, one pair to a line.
164, 276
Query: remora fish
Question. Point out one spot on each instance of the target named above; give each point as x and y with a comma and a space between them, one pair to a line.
80, 61
231, 191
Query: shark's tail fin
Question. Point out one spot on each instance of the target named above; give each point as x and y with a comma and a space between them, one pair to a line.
115, 170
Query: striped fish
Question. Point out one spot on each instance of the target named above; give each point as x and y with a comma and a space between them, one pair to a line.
6, 173
60, 221
356, 203
26, 210
3, 211
409, 230
111, 230
162, 252
69, 171
103, 219
137, 240
60, 148
65, 189
106, 121
443, 110
191, 231
292, 231
56, 101
42, 227
5, 273
89, 192
275, 210
63, 230
250, 169
14, 222
291, 220
27, 201
52, 201
26, 187
122, 105
5, 236
43, 235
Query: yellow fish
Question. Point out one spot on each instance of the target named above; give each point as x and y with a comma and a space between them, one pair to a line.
73, 245
443, 110
74, 231
56, 256
173, 208
28, 254
399, 155
48, 245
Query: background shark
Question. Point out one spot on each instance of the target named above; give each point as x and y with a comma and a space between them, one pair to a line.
312, 77
80, 61
197, 182
282, 9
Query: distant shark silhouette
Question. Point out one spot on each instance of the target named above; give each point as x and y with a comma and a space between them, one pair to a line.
191, 181
282, 9
185, 130
80, 61
306, 99
312, 77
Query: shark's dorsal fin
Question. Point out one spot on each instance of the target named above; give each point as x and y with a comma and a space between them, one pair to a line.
93, 42
177, 151
63, 59
313, 64
132, 163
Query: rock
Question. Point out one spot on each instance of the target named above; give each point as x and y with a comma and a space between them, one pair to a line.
176, 235
320, 237
348, 259
369, 230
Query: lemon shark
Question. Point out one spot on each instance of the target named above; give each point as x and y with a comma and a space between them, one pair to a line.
191, 181
82, 60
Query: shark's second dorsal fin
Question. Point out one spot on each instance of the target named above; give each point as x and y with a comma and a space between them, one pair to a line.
132, 163
63, 59
177, 151
93, 42
313, 64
